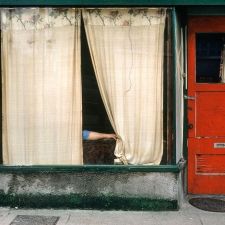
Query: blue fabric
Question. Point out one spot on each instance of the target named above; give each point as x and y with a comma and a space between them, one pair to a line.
85, 134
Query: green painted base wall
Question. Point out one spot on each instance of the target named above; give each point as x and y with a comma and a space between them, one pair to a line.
85, 189
86, 202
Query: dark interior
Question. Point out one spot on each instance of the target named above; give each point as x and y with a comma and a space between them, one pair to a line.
209, 47
94, 115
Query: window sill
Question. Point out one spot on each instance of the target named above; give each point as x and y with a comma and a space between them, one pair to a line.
89, 168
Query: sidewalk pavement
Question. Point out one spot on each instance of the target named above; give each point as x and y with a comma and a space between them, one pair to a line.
187, 215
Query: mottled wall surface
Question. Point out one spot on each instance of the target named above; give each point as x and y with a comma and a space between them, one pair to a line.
148, 185
90, 190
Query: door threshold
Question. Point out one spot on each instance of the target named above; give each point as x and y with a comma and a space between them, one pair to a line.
189, 196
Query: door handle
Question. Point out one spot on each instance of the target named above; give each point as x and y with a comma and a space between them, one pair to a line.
189, 97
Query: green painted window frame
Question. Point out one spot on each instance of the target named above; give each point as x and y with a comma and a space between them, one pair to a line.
173, 167
91, 169
142, 3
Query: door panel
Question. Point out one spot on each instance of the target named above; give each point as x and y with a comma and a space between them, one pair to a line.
210, 114
206, 170
206, 105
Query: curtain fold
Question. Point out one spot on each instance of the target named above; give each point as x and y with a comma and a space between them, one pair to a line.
126, 47
42, 115
222, 66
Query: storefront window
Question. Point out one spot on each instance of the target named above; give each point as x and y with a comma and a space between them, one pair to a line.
126, 51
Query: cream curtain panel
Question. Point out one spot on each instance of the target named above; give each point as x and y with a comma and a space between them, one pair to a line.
179, 85
222, 66
41, 86
126, 46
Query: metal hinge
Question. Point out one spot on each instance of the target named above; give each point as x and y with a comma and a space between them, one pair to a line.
189, 97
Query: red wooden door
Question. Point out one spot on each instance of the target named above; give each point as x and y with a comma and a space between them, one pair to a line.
206, 105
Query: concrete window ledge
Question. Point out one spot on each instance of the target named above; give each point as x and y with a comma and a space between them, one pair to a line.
89, 168
102, 187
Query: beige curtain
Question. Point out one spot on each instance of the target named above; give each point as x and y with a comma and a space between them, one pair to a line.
127, 52
41, 86
222, 66
179, 85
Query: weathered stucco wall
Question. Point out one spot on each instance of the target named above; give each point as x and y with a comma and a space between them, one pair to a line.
90, 190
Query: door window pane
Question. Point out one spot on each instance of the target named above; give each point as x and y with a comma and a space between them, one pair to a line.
209, 57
